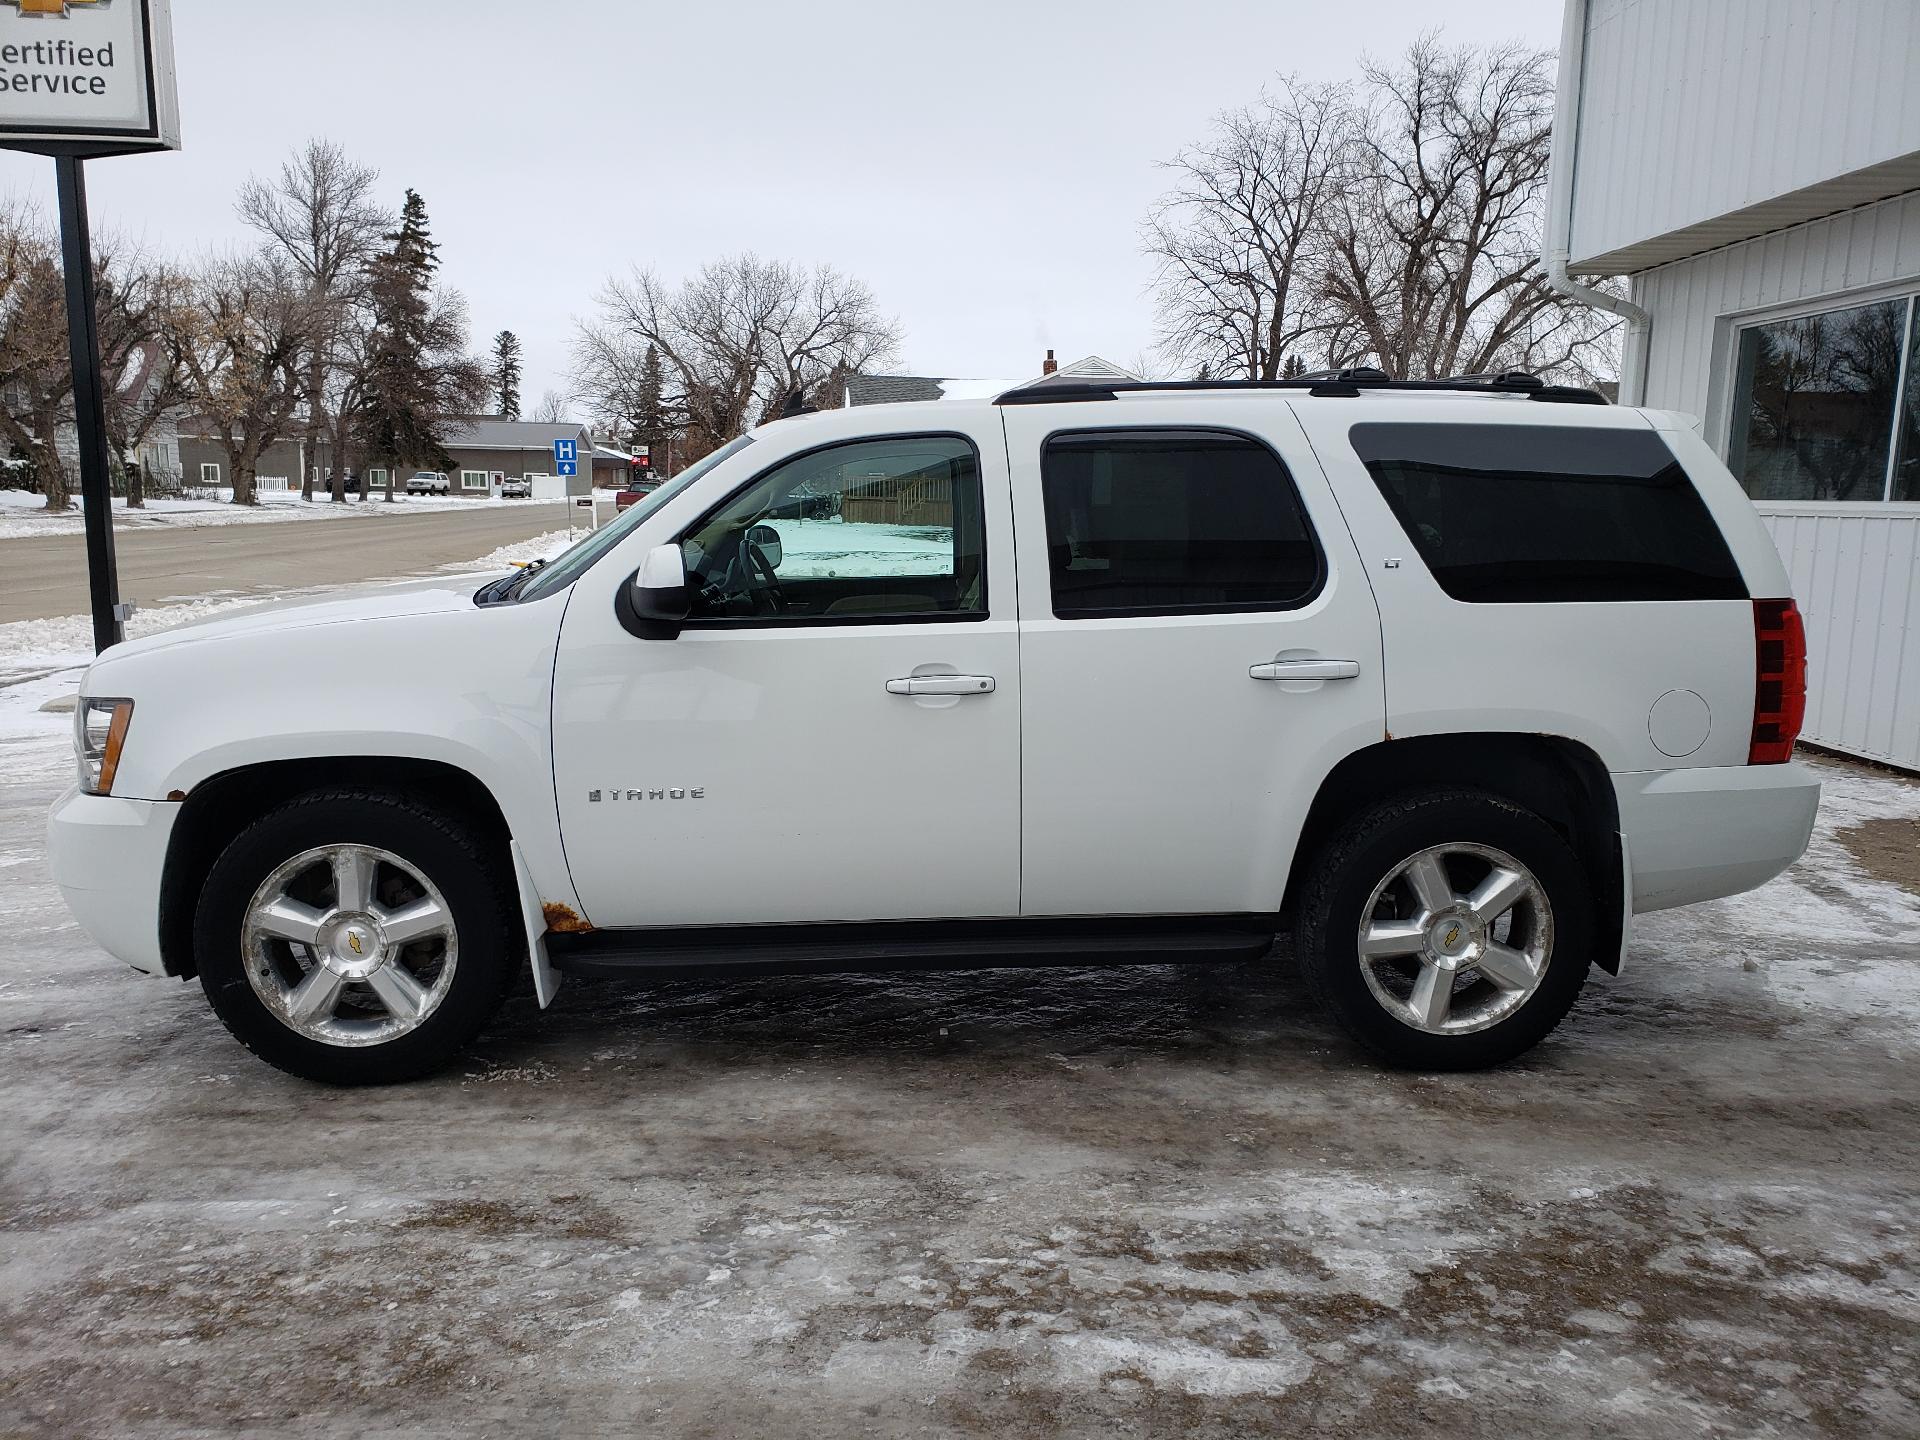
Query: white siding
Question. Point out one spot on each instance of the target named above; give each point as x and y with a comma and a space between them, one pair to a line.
1854, 575
1694, 302
1692, 109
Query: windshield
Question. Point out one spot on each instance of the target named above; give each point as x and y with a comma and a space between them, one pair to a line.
571, 564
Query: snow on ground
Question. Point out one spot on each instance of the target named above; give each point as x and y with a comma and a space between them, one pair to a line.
820, 549
24, 515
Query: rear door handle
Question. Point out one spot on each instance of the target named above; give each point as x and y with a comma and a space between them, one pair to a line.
1306, 670
942, 685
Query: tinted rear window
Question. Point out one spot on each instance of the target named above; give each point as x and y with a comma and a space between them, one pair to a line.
1169, 522
1549, 513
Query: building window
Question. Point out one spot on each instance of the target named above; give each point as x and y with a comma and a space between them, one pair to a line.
209, 473
473, 479
376, 479
1827, 406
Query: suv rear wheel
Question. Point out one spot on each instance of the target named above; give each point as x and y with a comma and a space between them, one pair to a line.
354, 938
1449, 930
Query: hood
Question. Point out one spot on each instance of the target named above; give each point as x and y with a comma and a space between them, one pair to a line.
331, 607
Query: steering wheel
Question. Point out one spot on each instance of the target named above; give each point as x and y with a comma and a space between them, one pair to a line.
768, 597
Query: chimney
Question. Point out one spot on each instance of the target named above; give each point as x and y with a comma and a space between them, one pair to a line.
1052, 365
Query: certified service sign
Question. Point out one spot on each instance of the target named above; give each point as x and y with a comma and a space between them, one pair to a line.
97, 73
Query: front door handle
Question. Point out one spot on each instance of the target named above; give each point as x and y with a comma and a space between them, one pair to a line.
1306, 670
942, 685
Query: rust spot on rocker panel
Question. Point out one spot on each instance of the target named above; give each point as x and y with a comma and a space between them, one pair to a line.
563, 918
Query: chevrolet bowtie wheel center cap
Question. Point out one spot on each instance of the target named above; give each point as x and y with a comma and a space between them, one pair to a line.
1455, 940
352, 947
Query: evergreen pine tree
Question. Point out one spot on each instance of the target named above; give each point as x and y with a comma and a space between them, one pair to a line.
1293, 369
506, 373
401, 401
649, 411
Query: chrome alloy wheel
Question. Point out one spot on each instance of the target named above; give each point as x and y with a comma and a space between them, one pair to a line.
349, 945
1456, 938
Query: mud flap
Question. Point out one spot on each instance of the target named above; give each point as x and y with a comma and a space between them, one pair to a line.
546, 981
1626, 909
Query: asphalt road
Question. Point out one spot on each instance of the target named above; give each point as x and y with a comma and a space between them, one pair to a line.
46, 576
1101, 1203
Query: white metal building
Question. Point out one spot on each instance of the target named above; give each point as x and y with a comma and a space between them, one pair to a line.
1754, 167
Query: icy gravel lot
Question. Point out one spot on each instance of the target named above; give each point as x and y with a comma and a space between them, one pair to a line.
998, 1203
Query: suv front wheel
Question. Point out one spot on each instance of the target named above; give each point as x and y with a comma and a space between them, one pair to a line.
1448, 930
354, 937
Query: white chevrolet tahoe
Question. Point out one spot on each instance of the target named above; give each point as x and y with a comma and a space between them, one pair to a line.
1449, 680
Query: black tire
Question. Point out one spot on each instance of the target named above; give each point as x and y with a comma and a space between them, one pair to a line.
1367, 850
443, 850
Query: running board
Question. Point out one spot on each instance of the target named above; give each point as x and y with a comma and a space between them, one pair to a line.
953, 945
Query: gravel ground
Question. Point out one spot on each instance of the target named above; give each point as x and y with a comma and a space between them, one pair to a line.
1150, 1201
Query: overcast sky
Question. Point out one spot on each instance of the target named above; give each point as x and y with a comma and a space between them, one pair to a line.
983, 166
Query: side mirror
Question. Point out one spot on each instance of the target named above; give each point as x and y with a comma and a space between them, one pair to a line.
654, 605
766, 540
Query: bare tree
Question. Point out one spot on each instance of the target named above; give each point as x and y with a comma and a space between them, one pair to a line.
552, 409
244, 337
1434, 246
134, 298
140, 302
735, 343
1396, 225
36, 384
320, 213
1240, 237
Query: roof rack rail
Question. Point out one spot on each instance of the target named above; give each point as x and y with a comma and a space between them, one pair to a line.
1507, 379
1353, 375
1335, 383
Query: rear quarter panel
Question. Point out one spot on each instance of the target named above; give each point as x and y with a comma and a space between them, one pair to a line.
1584, 671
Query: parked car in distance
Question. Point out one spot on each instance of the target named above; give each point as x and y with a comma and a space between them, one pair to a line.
637, 488
427, 482
1446, 680
516, 488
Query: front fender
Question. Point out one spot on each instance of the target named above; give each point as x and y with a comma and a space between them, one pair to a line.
468, 688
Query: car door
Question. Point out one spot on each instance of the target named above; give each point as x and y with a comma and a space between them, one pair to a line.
834, 736
1199, 647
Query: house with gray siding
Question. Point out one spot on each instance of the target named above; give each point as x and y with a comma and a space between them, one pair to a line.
485, 449
1752, 169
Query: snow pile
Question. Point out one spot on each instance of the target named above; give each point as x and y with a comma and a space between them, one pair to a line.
540, 547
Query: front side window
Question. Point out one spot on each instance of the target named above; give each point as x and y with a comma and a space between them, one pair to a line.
1814, 405
473, 479
571, 564
209, 473
887, 529
1541, 513
1168, 522
376, 479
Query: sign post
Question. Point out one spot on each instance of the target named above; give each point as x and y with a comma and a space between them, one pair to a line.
85, 78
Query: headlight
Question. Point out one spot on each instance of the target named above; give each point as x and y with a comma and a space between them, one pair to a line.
99, 732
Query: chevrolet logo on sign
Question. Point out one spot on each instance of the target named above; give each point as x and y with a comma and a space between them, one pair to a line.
52, 7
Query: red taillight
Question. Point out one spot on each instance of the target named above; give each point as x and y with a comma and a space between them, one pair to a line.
1780, 682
